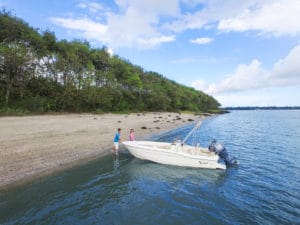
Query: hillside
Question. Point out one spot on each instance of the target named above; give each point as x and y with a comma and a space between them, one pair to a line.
42, 74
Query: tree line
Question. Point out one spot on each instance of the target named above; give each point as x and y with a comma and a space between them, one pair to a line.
39, 73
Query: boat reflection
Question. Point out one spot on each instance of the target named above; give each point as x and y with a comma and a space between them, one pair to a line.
140, 169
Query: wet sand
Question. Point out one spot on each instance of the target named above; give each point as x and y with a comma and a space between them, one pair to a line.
34, 146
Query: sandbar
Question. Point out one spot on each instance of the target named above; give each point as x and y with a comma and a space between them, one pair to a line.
33, 146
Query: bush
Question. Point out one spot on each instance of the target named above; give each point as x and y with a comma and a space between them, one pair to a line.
7, 111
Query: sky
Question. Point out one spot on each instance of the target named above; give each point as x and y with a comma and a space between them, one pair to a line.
243, 53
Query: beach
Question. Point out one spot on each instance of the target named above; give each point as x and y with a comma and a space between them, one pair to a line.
35, 146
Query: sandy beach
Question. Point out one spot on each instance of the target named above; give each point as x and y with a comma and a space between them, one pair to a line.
33, 146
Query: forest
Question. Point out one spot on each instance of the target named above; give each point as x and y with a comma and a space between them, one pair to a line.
41, 74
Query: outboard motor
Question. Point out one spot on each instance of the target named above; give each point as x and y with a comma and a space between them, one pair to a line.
221, 151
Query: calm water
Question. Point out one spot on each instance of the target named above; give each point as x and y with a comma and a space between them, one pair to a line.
263, 189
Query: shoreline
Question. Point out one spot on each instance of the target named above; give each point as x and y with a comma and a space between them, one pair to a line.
36, 146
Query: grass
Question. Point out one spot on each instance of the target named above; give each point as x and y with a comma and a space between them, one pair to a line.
7, 111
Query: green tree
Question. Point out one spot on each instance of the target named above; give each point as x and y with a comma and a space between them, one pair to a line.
39, 73
16, 66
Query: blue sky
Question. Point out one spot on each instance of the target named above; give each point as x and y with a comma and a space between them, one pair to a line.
243, 53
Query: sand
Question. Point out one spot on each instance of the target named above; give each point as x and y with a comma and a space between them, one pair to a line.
33, 146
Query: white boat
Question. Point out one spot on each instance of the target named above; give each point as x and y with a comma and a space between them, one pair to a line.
180, 154
175, 154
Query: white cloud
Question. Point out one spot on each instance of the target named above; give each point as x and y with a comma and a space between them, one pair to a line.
148, 23
150, 42
157, 7
135, 30
137, 24
91, 6
245, 99
202, 41
286, 72
270, 17
110, 51
80, 24
210, 12
88, 28
200, 85
245, 77
273, 96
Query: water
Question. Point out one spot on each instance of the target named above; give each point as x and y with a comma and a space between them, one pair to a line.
263, 189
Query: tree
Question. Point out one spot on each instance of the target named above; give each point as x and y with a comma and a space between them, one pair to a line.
39, 73
16, 66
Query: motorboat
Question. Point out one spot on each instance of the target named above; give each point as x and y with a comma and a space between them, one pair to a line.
180, 154
174, 154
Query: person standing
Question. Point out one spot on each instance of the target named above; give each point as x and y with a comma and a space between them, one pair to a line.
117, 140
131, 135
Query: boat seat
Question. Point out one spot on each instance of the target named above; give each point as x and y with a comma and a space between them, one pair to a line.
198, 151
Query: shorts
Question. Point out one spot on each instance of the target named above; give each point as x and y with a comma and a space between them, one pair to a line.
116, 145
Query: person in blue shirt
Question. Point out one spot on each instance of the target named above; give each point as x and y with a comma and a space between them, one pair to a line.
117, 139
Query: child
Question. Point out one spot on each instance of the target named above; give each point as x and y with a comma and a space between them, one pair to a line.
117, 139
131, 135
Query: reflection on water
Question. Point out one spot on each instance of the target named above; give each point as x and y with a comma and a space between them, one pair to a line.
263, 189
116, 162
164, 173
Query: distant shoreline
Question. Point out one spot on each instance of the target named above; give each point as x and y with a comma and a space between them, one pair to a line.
35, 146
262, 108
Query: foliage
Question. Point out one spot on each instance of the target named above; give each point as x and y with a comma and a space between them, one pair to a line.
40, 74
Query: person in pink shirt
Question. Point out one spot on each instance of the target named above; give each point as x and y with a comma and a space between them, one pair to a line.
131, 135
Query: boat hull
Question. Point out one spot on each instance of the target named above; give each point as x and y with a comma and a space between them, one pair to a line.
170, 154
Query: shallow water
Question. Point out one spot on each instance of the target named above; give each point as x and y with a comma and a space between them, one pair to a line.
263, 189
